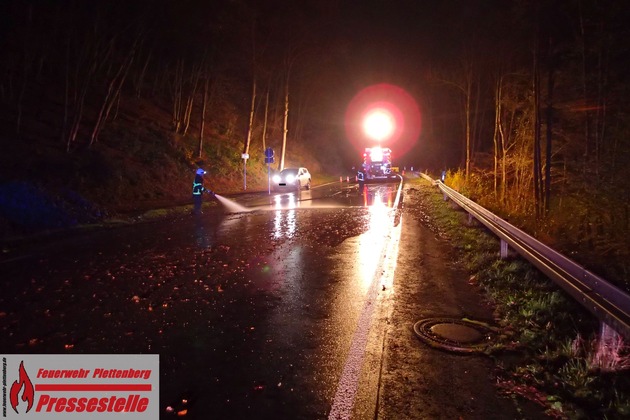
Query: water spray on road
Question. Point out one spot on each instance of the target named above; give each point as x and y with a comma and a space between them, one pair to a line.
230, 205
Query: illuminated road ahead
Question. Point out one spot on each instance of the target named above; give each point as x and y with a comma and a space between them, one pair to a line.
266, 311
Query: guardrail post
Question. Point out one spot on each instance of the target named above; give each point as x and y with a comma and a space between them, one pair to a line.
445, 197
504, 249
470, 219
609, 345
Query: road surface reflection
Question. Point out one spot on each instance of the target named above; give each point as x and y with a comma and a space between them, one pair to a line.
372, 243
284, 222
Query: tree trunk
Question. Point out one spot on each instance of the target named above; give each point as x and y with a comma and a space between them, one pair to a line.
285, 129
467, 111
504, 150
203, 117
178, 93
264, 133
81, 86
550, 87
250, 127
113, 91
194, 82
495, 136
537, 122
188, 111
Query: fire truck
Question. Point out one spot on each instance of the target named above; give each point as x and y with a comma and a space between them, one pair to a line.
377, 163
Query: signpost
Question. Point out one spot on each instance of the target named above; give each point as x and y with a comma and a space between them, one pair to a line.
245, 156
269, 159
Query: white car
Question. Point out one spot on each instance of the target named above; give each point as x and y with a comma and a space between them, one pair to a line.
292, 178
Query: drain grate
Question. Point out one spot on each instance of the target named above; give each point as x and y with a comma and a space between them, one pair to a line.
455, 335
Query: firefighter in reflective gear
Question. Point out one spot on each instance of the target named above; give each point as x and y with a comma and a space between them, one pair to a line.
198, 190
361, 180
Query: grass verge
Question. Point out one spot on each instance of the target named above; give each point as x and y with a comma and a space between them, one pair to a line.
549, 350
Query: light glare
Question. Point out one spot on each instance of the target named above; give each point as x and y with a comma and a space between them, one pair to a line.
379, 124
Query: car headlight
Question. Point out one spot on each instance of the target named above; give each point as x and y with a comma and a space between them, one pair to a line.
290, 179
276, 179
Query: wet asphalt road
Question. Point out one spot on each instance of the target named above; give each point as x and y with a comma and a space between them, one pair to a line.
252, 313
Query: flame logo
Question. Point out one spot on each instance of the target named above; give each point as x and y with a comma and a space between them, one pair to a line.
28, 393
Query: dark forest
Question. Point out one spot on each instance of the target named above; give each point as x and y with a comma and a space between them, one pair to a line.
109, 106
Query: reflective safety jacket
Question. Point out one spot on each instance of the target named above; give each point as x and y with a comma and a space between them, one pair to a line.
198, 188
360, 176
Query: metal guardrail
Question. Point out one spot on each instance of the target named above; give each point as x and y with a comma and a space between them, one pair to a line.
604, 300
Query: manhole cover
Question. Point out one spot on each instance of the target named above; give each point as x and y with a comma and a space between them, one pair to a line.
455, 335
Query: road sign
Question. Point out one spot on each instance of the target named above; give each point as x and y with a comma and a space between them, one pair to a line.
269, 159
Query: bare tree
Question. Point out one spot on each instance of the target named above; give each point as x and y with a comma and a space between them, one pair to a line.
465, 80
114, 87
285, 129
82, 68
264, 133
497, 131
510, 138
549, 133
537, 121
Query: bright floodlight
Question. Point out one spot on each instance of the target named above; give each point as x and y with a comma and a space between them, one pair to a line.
378, 124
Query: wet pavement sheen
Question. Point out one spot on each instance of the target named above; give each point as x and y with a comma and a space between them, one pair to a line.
252, 313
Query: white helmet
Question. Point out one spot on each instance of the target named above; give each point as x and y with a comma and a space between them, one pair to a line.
201, 172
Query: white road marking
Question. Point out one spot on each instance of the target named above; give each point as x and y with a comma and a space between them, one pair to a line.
345, 395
